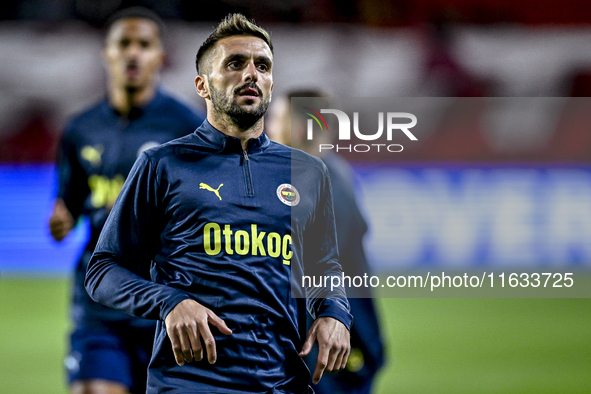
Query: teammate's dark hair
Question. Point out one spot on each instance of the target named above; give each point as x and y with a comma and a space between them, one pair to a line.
232, 25
306, 92
322, 98
136, 13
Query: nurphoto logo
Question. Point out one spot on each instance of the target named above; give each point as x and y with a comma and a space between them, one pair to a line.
395, 122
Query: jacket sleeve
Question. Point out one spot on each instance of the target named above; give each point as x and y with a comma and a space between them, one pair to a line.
72, 182
118, 270
320, 249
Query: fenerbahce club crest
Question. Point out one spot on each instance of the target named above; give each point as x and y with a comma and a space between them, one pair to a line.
288, 194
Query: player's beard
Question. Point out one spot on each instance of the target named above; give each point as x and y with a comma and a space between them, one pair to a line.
227, 105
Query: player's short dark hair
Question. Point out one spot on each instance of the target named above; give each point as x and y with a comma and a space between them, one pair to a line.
232, 25
136, 13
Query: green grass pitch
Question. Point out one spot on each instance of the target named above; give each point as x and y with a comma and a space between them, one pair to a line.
434, 345
33, 331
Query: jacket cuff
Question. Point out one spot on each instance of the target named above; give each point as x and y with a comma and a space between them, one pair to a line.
170, 303
335, 309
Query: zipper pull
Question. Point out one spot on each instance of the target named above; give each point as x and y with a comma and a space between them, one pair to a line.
245, 154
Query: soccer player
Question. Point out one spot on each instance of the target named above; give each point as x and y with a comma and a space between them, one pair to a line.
110, 350
224, 219
366, 343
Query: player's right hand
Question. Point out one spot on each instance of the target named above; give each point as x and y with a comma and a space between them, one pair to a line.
186, 324
61, 221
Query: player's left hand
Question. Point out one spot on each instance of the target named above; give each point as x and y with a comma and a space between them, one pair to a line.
334, 345
61, 221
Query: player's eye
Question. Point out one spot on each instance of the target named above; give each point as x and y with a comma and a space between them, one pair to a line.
145, 44
124, 43
234, 64
262, 67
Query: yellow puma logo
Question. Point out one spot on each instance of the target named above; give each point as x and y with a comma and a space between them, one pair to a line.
92, 154
207, 187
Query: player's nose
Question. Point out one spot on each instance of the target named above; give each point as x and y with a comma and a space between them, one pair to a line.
250, 72
133, 51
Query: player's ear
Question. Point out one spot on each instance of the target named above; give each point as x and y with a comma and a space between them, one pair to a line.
271, 92
201, 86
163, 59
105, 57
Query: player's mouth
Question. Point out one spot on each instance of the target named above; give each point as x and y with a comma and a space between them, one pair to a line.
249, 92
132, 70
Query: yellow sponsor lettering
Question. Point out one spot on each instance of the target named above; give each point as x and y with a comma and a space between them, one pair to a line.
257, 241
287, 253
98, 193
228, 239
274, 244
243, 242
217, 239
104, 191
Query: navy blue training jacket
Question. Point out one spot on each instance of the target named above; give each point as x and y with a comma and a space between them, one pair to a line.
234, 230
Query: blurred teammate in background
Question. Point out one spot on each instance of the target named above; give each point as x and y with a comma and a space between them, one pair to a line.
110, 350
366, 345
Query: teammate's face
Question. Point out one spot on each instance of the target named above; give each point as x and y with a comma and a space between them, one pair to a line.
134, 53
278, 124
241, 81
283, 130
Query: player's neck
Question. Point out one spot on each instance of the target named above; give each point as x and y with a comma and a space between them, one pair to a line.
123, 99
228, 127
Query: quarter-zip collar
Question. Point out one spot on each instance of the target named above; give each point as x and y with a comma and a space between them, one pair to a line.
216, 141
